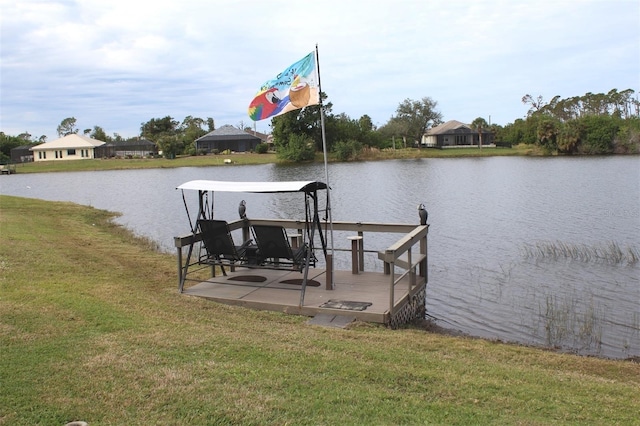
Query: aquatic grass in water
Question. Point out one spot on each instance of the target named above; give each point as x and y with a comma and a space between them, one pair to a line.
610, 253
576, 322
568, 322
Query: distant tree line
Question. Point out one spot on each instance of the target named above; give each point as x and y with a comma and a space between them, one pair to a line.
590, 124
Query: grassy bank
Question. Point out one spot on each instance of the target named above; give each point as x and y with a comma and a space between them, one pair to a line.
252, 159
92, 328
145, 163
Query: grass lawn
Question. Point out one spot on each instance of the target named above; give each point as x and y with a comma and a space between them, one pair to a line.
92, 328
145, 163
252, 159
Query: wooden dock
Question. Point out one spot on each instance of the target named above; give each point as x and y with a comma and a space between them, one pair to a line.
265, 273
364, 296
393, 297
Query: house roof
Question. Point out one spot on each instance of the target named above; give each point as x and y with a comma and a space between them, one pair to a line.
448, 127
72, 141
263, 136
227, 132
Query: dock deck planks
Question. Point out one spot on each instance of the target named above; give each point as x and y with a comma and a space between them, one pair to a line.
274, 295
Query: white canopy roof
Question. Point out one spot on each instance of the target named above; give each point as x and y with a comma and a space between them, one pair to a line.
266, 187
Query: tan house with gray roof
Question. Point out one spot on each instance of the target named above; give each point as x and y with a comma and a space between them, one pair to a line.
454, 134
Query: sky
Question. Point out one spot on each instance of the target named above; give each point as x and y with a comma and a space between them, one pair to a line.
119, 63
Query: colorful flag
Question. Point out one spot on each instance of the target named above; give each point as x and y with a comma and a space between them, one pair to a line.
294, 88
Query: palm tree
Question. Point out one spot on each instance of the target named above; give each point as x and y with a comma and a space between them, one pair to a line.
479, 124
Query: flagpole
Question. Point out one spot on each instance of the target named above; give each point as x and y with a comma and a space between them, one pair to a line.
326, 170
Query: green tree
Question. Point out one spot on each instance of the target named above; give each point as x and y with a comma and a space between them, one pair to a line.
521, 131
284, 126
99, 134
479, 125
393, 132
628, 138
26, 136
67, 127
306, 123
376, 139
170, 145
211, 124
418, 117
568, 138
7, 143
547, 134
157, 127
165, 132
299, 148
598, 134
347, 150
366, 125
369, 135
535, 104
343, 128
191, 129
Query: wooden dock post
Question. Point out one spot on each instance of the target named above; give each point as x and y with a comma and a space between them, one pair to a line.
356, 243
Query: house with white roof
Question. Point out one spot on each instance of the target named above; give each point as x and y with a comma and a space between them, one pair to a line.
70, 147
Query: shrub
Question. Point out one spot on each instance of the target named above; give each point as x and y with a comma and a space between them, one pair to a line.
300, 148
347, 150
628, 139
262, 148
599, 132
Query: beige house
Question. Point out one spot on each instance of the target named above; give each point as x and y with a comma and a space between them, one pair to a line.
454, 134
70, 147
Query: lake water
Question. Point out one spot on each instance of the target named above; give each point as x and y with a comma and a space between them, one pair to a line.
487, 217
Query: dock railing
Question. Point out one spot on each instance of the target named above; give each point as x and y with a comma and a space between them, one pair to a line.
407, 257
401, 255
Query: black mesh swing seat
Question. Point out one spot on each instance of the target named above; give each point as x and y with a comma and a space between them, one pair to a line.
275, 251
270, 249
219, 245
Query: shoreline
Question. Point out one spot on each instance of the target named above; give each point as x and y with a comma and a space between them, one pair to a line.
228, 160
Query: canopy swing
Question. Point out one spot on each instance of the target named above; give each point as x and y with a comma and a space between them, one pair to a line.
267, 251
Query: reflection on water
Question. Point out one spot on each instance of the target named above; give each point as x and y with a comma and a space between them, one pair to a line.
482, 212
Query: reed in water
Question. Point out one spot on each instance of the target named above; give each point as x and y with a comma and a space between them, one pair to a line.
610, 253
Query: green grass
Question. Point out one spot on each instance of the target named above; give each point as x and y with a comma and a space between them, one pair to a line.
145, 163
92, 328
252, 159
